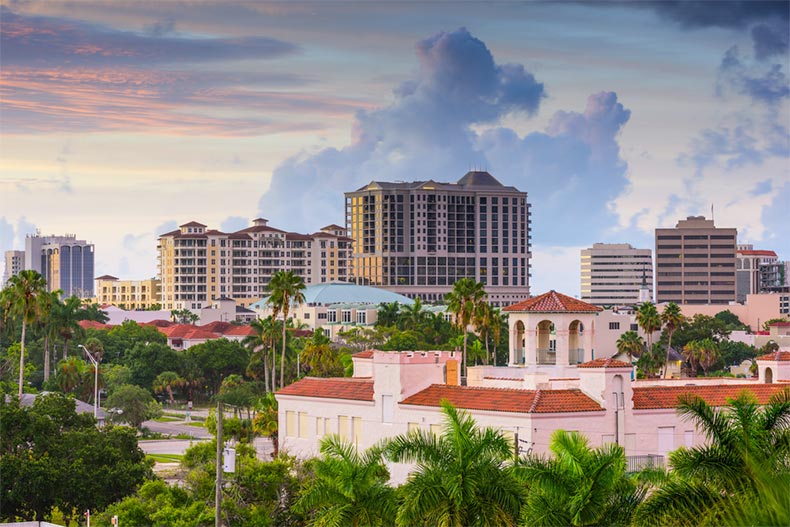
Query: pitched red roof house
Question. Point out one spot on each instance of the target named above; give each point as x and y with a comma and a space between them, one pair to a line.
552, 302
654, 397
780, 356
505, 399
351, 388
605, 363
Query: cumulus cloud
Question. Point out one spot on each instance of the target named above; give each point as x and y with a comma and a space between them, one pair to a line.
443, 122
770, 39
234, 223
766, 84
167, 226
716, 13
13, 237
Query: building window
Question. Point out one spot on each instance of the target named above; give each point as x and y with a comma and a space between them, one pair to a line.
634, 327
614, 325
361, 317
303, 425
356, 425
387, 409
290, 424
307, 316
321, 316
342, 426
346, 316
332, 316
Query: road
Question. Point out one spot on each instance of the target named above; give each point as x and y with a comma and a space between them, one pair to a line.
177, 427
165, 446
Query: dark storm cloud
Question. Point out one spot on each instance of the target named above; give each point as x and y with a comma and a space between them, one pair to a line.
48, 41
714, 13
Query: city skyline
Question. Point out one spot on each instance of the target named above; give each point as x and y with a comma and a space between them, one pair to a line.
122, 121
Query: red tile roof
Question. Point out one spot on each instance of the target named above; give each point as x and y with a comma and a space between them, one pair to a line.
505, 399
192, 224
92, 324
780, 356
188, 332
235, 329
605, 363
552, 302
217, 326
106, 277
779, 324
652, 397
757, 253
351, 388
367, 354
160, 323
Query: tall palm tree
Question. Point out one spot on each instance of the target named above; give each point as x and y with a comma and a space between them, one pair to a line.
166, 381
483, 320
286, 291
23, 298
724, 481
48, 328
66, 317
631, 344
72, 372
266, 421
93, 312
462, 301
388, 314
464, 476
350, 488
691, 352
579, 485
649, 320
498, 322
414, 315
262, 341
672, 319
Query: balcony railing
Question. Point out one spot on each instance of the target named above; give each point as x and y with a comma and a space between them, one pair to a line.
637, 463
547, 356
576, 356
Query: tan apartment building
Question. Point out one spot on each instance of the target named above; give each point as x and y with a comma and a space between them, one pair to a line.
198, 265
14, 262
418, 238
695, 263
128, 294
612, 274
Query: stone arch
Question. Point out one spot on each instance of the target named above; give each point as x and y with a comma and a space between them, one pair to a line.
769, 376
575, 343
543, 341
520, 331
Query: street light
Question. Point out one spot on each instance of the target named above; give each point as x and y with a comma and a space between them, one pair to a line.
95, 381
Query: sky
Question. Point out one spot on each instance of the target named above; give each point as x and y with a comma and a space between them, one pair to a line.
120, 120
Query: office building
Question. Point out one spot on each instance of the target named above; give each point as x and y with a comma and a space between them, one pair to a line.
612, 274
418, 238
695, 263
14, 262
749, 270
64, 261
198, 265
128, 294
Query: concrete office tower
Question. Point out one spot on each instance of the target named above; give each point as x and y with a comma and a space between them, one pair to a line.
695, 263
611, 274
14, 262
418, 238
64, 261
198, 265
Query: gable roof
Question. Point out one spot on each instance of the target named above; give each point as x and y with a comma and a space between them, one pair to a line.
552, 302
192, 224
605, 363
505, 399
780, 356
350, 388
106, 277
653, 397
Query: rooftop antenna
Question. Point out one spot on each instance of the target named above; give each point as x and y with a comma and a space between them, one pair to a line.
711, 212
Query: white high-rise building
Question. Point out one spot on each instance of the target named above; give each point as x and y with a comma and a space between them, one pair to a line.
14, 262
612, 274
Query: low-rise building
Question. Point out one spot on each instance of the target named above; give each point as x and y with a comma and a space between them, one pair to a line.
128, 294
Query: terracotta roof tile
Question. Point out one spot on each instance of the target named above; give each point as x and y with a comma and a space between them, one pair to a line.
779, 324
758, 252
653, 397
367, 354
92, 324
160, 323
239, 330
780, 356
605, 363
552, 302
192, 224
505, 399
217, 326
351, 388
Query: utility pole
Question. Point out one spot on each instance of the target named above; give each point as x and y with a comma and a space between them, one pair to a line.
218, 493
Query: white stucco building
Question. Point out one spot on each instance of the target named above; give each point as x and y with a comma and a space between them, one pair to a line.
543, 389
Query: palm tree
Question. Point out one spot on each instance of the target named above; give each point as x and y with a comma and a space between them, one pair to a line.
708, 353
483, 320
462, 301
464, 476
631, 344
286, 291
388, 314
724, 481
649, 320
66, 319
579, 485
414, 314
48, 328
71, 374
691, 353
23, 297
266, 421
349, 488
94, 312
498, 321
166, 381
672, 319
262, 341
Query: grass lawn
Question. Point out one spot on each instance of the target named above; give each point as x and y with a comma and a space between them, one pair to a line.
165, 458
166, 419
199, 424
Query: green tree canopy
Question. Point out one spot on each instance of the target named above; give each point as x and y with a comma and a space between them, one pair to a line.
217, 359
135, 403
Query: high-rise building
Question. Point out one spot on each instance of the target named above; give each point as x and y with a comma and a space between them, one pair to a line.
198, 265
612, 274
65, 262
748, 273
418, 238
14, 262
695, 263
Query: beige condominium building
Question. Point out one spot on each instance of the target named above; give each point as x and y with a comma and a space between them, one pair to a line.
128, 294
695, 263
612, 274
14, 262
418, 238
198, 265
